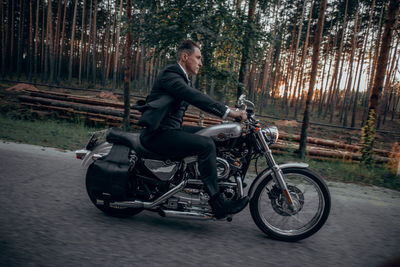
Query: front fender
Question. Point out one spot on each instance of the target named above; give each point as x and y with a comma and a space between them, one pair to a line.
265, 173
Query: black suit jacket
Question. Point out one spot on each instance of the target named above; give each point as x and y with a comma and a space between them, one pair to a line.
169, 98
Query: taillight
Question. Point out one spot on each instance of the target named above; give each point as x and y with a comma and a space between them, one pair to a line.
80, 154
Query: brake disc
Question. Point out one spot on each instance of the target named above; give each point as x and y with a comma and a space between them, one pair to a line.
279, 204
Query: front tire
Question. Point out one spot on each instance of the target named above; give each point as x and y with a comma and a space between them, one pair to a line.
311, 200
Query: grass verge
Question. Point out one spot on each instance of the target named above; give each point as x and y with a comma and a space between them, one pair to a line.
51, 133
348, 172
74, 135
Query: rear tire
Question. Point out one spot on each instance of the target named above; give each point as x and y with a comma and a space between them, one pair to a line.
310, 194
120, 213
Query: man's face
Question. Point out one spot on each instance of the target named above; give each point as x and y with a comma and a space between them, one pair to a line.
192, 63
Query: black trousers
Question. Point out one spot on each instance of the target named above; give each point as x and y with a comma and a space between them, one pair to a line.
181, 143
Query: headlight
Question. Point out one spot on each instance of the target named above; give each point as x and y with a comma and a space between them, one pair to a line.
271, 134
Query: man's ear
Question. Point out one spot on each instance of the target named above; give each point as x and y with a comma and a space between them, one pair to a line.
184, 56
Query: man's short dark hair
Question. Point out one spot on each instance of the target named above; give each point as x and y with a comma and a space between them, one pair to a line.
187, 46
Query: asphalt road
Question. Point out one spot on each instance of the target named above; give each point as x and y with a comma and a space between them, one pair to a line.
47, 220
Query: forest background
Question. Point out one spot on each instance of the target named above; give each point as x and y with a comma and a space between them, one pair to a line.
314, 60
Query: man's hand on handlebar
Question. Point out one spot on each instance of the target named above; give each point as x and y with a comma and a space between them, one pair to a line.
238, 115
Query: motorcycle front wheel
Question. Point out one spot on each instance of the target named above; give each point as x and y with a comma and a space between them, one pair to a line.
311, 205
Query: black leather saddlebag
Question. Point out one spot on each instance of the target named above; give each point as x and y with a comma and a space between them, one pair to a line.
108, 177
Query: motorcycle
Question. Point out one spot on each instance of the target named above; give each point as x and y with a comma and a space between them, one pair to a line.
288, 202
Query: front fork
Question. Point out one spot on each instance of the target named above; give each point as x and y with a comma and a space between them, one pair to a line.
278, 174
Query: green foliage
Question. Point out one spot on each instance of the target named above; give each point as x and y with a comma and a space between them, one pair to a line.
367, 139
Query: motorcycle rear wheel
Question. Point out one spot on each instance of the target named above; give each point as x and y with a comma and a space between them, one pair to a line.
311, 199
120, 213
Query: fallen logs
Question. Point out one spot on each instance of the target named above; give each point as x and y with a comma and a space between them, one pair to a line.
324, 152
111, 113
77, 99
75, 106
330, 143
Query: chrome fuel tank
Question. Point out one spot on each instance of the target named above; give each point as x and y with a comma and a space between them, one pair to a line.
222, 132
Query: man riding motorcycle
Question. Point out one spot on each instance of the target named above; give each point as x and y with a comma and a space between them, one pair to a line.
162, 117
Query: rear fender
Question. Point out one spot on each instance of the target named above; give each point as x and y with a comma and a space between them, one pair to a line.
98, 152
265, 173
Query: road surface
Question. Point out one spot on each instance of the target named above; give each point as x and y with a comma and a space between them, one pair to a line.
47, 220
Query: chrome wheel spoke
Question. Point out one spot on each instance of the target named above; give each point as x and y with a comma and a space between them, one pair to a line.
308, 210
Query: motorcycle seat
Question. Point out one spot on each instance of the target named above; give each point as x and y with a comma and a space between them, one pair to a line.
132, 140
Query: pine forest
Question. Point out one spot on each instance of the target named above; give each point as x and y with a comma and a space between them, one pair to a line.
333, 61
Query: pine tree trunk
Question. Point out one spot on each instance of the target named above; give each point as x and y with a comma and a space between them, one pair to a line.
151, 66
334, 57
246, 47
127, 74
327, 92
334, 83
94, 32
20, 36
325, 76
395, 93
57, 38
250, 80
318, 98
112, 44
363, 51
3, 40
276, 74
104, 49
387, 88
143, 67
50, 41
72, 44
12, 56
137, 64
336, 100
346, 104
60, 52
373, 67
390, 20
45, 76
267, 70
30, 50
396, 103
286, 94
293, 67
302, 60
117, 39
83, 31
89, 41
314, 69
354, 93
42, 54
5, 45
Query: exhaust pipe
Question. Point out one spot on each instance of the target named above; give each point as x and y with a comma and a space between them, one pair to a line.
148, 205
185, 215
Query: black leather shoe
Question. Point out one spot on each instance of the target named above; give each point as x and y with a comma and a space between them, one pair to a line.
222, 207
